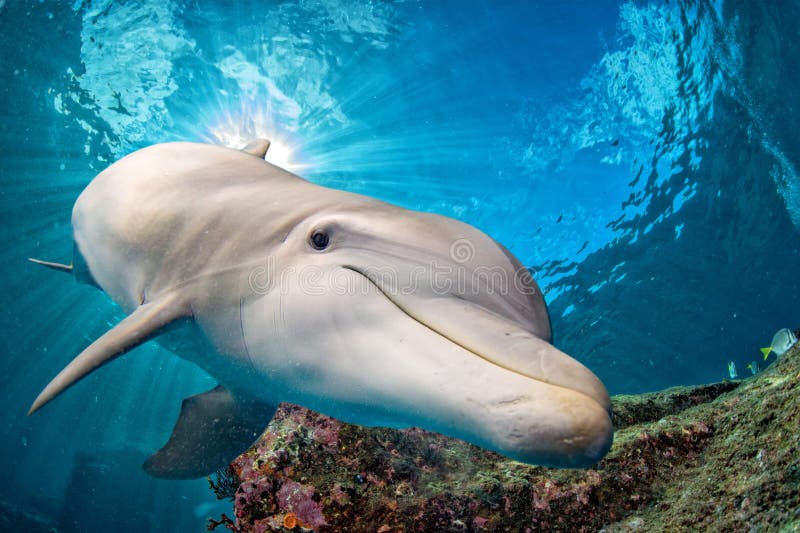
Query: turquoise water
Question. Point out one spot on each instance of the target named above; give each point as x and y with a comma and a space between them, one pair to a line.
639, 156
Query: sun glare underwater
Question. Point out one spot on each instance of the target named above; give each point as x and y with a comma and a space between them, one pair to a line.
639, 157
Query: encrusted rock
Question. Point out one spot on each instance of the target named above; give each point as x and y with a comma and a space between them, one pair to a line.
714, 457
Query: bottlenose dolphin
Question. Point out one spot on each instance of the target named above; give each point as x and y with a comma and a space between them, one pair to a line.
284, 290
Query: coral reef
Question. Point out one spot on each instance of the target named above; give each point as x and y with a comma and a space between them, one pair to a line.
720, 457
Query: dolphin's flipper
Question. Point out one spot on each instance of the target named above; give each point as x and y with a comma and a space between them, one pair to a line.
146, 322
257, 147
55, 266
212, 429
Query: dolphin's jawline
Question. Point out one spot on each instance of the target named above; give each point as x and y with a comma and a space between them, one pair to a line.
428, 326
456, 342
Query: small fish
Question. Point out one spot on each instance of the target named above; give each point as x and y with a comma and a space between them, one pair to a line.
560, 218
753, 367
781, 342
732, 370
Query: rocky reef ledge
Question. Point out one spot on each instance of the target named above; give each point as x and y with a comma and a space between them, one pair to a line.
722, 457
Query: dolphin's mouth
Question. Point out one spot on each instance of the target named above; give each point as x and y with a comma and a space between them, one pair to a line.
495, 339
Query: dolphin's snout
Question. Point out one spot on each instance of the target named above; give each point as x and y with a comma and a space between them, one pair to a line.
583, 437
537, 423
525, 398
506, 344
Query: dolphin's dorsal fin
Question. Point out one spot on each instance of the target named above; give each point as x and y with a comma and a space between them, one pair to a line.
55, 266
257, 147
147, 321
212, 429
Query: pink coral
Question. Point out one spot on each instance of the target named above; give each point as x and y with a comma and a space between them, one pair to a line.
262, 526
253, 490
298, 499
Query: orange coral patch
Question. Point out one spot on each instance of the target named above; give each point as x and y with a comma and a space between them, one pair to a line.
290, 521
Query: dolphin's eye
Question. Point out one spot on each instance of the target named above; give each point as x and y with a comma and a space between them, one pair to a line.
319, 240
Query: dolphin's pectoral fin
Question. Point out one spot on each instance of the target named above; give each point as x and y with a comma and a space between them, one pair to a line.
140, 326
55, 266
212, 429
257, 147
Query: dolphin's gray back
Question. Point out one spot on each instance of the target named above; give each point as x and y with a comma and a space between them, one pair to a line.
161, 218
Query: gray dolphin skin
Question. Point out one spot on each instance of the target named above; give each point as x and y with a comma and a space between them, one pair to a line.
283, 290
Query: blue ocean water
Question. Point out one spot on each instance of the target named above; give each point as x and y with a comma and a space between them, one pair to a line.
640, 157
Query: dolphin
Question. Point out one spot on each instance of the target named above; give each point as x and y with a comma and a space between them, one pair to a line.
284, 290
